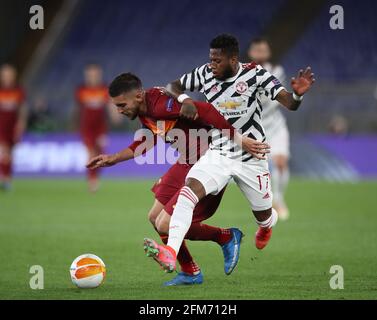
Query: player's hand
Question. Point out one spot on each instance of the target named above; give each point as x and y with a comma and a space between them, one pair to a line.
103, 160
188, 110
255, 148
303, 81
164, 91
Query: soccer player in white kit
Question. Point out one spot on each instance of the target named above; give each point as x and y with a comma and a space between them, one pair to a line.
275, 126
234, 89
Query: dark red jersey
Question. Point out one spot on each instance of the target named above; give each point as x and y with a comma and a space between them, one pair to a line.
92, 102
163, 116
10, 105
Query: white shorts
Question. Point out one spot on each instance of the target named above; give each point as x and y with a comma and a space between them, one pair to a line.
214, 171
279, 142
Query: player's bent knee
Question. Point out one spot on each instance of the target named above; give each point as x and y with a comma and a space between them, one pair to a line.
162, 226
196, 187
152, 217
163, 222
155, 212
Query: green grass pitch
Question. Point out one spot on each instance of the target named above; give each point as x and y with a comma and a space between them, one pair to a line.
49, 223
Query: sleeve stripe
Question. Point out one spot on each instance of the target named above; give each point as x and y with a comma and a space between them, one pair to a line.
199, 84
261, 72
265, 83
277, 89
192, 83
184, 82
195, 79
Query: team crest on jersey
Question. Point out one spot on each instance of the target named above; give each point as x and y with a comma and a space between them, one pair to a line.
241, 87
214, 88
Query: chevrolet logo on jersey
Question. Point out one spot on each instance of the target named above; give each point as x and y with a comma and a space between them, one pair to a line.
229, 104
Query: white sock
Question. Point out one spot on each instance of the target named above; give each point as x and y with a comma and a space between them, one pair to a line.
271, 221
279, 185
181, 219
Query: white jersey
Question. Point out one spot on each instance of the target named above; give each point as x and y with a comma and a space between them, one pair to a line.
272, 118
238, 99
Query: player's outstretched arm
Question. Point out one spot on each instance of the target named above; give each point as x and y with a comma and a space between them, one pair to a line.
175, 88
106, 160
300, 85
135, 149
188, 110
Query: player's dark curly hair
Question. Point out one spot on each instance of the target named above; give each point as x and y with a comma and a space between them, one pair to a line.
123, 83
227, 43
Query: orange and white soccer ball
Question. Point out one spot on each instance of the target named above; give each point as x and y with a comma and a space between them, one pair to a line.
88, 271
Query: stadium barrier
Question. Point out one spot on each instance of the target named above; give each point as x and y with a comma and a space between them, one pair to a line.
315, 156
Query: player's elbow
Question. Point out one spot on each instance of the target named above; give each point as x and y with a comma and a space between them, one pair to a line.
175, 87
293, 107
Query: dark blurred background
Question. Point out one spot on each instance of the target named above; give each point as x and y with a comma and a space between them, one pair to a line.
334, 134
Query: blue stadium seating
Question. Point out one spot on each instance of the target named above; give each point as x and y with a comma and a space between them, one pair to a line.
341, 55
160, 40
157, 40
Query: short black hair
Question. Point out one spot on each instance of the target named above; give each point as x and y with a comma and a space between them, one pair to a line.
123, 83
227, 43
259, 40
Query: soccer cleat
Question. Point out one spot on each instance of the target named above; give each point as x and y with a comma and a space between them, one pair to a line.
163, 254
231, 251
262, 236
185, 279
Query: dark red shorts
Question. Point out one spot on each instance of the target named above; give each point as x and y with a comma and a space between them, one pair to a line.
7, 138
93, 138
167, 189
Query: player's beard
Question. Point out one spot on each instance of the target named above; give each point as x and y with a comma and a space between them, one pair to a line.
228, 73
131, 116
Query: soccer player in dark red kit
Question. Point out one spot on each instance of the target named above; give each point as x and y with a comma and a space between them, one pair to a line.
163, 115
12, 121
92, 101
